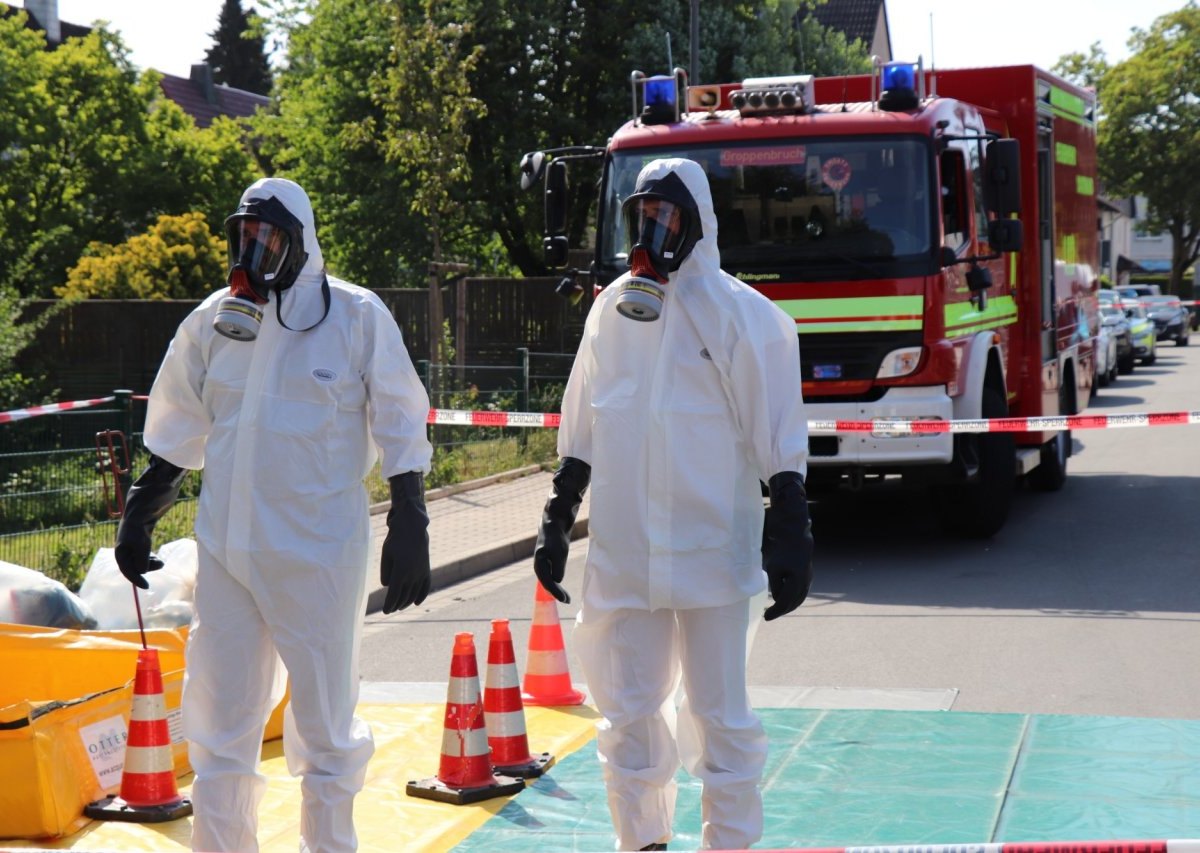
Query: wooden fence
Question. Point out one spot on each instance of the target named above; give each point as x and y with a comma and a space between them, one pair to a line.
92, 347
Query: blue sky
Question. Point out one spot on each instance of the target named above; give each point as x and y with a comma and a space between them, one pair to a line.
172, 34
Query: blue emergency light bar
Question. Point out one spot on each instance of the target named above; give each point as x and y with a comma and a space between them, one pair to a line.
897, 75
660, 92
656, 99
898, 84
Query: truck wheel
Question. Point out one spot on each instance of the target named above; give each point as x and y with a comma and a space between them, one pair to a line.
1051, 473
978, 509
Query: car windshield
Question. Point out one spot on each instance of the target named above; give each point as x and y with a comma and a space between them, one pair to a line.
824, 208
1134, 310
1111, 311
1160, 301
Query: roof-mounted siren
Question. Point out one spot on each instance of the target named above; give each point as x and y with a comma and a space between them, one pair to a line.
656, 99
774, 95
901, 85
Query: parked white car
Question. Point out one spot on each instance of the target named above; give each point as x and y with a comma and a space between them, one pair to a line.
1106, 357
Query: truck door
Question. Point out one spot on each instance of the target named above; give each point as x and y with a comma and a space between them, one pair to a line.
1045, 232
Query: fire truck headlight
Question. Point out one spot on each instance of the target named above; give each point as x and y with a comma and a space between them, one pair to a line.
899, 362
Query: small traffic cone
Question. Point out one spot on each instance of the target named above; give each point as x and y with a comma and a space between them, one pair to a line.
504, 713
148, 793
465, 772
547, 681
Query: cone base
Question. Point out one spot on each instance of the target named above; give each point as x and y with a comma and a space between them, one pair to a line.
535, 767
114, 808
570, 697
434, 789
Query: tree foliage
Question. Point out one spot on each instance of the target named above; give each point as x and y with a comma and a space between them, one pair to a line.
90, 151
238, 57
16, 336
547, 74
1151, 130
178, 258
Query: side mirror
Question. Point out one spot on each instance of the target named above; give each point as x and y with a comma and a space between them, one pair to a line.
1005, 235
556, 198
1002, 187
532, 165
555, 249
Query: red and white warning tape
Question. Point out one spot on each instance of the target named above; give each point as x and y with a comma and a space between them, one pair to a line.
459, 417
1123, 846
51, 408
879, 426
899, 426
891, 426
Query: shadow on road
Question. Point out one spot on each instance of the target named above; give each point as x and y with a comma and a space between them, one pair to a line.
1104, 544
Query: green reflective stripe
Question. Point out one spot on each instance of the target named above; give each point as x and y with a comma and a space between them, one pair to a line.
962, 318
1065, 154
855, 314
1065, 101
1085, 185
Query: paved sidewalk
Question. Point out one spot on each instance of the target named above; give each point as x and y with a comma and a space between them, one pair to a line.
476, 527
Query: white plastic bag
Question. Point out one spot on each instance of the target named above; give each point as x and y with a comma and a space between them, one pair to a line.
28, 597
167, 604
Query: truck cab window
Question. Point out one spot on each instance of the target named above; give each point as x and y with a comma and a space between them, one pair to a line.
955, 212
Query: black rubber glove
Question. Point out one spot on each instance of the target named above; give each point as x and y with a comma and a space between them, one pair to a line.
404, 564
787, 544
558, 518
149, 498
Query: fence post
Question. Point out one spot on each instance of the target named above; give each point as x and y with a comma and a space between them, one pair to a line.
523, 434
524, 353
124, 401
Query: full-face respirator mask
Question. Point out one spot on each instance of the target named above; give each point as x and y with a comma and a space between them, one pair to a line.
266, 252
662, 224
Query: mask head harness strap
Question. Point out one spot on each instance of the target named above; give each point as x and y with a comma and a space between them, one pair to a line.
662, 224
266, 252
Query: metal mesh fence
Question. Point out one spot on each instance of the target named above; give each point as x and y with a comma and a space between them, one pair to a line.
55, 502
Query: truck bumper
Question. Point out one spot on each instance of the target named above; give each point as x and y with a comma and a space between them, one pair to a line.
883, 449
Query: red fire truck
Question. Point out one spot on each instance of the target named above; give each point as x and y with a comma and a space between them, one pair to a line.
934, 235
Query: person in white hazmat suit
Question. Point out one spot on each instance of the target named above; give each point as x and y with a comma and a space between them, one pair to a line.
674, 420
284, 388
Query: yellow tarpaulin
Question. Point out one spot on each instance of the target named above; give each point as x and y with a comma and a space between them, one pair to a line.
65, 700
408, 741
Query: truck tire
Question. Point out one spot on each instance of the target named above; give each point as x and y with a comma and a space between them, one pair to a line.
1051, 473
979, 508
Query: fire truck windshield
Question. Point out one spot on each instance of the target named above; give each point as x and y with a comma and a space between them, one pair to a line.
815, 209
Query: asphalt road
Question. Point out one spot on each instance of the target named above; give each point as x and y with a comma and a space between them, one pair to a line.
1087, 602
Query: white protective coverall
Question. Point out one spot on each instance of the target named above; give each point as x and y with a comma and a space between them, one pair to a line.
680, 418
283, 428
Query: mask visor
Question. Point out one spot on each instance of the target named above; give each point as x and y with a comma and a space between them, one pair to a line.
657, 225
258, 247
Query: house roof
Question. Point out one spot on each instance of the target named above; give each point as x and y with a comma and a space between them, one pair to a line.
855, 18
66, 29
204, 100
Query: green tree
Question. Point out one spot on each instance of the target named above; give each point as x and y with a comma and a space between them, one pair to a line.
1084, 69
178, 258
90, 151
1151, 129
17, 334
238, 57
327, 136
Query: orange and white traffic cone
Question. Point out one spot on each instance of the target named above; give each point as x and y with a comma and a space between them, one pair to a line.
465, 772
547, 681
148, 793
504, 713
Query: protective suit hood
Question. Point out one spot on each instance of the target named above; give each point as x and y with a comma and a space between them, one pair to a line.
704, 259
302, 304
295, 199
